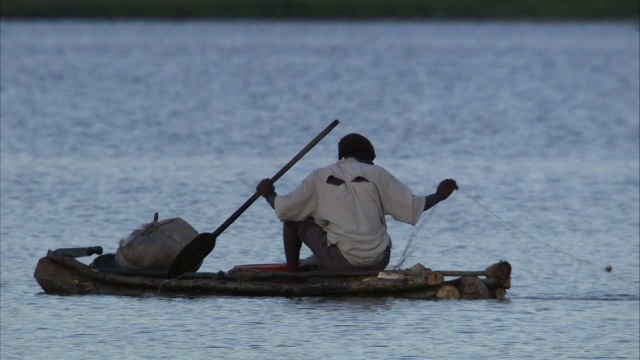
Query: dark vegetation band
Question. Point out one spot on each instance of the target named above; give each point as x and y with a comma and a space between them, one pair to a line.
325, 9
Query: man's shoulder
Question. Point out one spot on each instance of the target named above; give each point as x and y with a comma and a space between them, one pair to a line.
328, 168
321, 172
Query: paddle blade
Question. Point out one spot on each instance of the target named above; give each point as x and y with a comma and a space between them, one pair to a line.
192, 255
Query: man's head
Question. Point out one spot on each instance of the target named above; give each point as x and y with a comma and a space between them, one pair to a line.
356, 146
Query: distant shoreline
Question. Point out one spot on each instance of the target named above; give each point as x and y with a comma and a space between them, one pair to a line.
531, 10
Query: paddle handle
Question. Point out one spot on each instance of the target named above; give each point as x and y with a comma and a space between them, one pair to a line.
275, 177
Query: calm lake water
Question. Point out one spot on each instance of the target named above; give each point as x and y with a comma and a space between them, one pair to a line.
105, 123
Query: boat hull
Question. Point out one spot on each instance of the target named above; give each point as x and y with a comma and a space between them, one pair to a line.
64, 275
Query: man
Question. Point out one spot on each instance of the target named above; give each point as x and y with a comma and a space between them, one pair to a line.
339, 210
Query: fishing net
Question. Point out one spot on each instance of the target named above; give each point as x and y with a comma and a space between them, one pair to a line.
155, 245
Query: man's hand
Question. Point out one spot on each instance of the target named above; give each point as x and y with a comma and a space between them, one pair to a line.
265, 187
445, 188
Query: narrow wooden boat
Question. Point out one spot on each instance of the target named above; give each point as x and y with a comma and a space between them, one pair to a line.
59, 272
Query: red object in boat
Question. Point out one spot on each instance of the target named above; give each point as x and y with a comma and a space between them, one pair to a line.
264, 267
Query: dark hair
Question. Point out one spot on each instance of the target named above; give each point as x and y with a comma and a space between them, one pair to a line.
356, 146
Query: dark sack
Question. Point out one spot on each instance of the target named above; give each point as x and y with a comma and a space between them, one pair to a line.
154, 246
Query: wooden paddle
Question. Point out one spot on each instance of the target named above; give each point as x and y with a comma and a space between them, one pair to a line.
198, 249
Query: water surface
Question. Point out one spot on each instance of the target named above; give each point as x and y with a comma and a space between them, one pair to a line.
105, 123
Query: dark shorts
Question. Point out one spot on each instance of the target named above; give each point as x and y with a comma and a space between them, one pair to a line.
330, 257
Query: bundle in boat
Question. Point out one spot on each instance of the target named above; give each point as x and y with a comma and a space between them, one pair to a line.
155, 245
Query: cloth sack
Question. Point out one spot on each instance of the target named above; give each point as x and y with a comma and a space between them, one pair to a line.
155, 245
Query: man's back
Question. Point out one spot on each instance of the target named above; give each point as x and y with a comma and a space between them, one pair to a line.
349, 200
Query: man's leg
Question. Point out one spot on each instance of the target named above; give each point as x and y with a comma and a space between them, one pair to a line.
329, 256
292, 245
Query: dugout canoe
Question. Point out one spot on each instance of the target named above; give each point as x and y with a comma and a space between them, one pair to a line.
59, 272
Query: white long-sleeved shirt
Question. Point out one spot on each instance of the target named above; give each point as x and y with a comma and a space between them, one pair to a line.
349, 200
